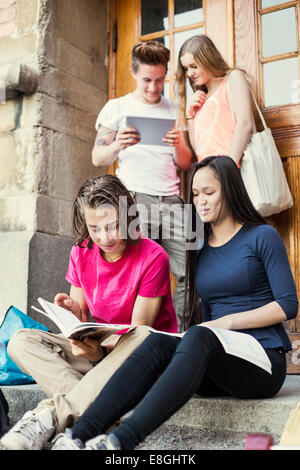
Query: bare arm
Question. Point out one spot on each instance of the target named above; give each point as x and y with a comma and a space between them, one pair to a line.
261, 317
105, 150
196, 103
190, 126
241, 102
109, 143
75, 302
145, 310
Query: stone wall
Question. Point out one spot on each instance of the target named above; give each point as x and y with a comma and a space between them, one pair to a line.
46, 136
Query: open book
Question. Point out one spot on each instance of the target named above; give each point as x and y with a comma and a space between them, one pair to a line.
73, 328
238, 344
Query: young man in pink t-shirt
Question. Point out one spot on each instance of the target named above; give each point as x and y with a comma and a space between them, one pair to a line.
117, 276
111, 289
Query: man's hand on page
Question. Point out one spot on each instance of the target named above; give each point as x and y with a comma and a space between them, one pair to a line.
65, 301
89, 349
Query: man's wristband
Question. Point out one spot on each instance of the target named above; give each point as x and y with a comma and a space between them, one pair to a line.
104, 350
187, 118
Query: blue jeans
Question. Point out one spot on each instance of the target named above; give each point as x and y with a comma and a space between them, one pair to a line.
164, 373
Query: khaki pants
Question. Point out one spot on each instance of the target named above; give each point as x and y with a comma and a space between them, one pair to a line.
71, 383
162, 220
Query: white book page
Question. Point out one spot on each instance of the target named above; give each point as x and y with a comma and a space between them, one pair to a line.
243, 346
179, 335
238, 344
64, 319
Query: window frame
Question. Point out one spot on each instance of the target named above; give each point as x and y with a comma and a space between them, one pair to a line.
271, 59
170, 79
282, 119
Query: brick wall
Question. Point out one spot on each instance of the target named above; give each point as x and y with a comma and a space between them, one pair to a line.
8, 14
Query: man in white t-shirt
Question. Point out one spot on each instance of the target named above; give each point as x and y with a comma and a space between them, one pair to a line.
149, 171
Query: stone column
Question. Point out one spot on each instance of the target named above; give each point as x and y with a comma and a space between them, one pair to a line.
47, 131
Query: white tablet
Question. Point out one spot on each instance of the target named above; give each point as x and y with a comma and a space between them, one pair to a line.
151, 130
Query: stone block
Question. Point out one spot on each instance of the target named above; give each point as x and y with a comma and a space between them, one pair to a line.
87, 21
46, 180
67, 57
18, 213
27, 15
14, 255
6, 3
7, 14
67, 120
20, 161
8, 161
64, 218
22, 48
71, 165
31, 111
7, 29
32, 265
70, 90
48, 264
47, 215
8, 111
54, 216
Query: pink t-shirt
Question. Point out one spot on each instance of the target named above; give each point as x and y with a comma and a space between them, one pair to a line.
110, 289
214, 125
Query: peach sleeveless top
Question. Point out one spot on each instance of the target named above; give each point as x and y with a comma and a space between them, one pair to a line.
214, 124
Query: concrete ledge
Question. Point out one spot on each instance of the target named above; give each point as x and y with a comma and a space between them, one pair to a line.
22, 398
226, 415
263, 415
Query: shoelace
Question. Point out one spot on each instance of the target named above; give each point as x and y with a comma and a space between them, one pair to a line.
61, 441
30, 427
98, 445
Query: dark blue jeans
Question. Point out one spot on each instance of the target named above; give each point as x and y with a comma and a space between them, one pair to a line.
164, 373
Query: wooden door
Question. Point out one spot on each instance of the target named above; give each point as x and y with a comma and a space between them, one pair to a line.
169, 21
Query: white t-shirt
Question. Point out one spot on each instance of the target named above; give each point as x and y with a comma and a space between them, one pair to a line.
147, 169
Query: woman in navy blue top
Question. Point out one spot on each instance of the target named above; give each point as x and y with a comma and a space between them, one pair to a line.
242, 276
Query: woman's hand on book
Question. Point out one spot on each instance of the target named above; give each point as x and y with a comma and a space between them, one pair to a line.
89, 349
65, 301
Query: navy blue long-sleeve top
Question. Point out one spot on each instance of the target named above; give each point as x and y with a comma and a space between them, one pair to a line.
247, 272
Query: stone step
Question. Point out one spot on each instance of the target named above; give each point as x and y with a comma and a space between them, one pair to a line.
203, 423
262, 415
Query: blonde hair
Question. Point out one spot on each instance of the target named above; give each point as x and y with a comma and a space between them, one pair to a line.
206, 55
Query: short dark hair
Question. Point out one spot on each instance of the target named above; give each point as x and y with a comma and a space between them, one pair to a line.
238, 204
150, 53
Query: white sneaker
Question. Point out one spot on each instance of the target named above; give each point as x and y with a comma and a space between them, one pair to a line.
31, 432
103, 442
64, 441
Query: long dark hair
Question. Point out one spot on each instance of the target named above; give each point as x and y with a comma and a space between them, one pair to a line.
106, 190
240, 207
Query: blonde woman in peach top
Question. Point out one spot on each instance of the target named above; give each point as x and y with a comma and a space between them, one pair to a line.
219, 116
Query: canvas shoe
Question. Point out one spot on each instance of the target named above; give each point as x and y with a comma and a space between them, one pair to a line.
64, 441
31, 432
103, 442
